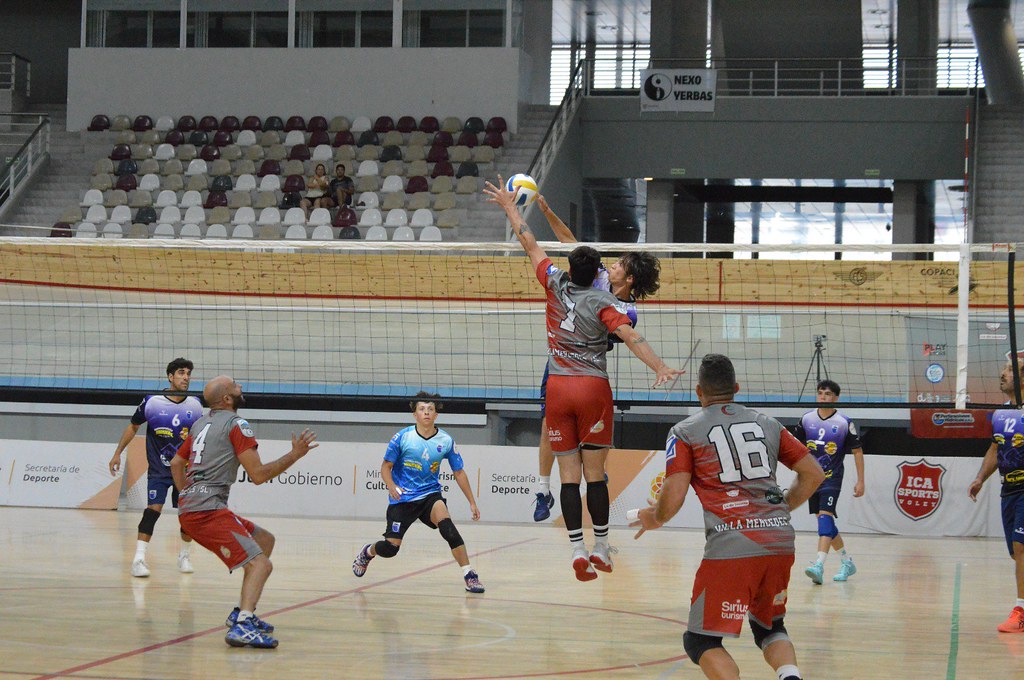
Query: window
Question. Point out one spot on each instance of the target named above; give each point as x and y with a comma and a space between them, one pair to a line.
615, 67
375, 29
334, 29
453, 28
116, 28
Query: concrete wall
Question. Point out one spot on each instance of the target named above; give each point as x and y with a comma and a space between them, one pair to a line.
821, 138
42, 32
353, 82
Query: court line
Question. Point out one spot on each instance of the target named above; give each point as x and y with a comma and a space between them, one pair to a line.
954, 627
319, 600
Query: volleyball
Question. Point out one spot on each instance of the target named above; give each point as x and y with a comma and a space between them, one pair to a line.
527, 187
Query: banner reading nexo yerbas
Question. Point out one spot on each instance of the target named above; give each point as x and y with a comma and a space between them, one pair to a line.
57, 475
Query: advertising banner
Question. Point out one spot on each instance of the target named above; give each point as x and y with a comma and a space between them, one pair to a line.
678, 90
57, 475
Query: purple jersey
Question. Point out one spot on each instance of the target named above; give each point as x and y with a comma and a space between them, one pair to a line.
1008, 435
829, 439
167, 426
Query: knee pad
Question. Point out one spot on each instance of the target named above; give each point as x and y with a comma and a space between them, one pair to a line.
385, 549
696, 644
148, 522
827, 526
450, 533
766, 636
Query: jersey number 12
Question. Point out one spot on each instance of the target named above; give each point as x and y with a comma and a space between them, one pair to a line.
745, 450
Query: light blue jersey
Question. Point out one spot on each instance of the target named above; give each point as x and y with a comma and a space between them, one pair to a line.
417, 462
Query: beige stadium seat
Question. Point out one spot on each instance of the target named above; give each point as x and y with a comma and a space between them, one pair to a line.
339, 124
467, 185
483, 154
418, 169
220, 167
219, 215
459, 154
172, 167
71, 214
367, 183
243, 166
444, 201
141, 151
101, 182
103, 166
140, 198
419, 200
418, 138
231, 152
277, 152
393, 168
415, 154
185, 152
138, 231
370, 152
268, 232
197, 183
441, 185
254, 153
392, 137
270, 138
151, 137
265, 199
393, 200
293, 167
150, 166
451, 124
173, 183
115, 197
448, 219
239, 199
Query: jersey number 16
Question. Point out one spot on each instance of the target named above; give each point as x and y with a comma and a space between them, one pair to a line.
735, 446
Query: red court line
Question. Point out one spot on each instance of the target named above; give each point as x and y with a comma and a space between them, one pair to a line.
319, 600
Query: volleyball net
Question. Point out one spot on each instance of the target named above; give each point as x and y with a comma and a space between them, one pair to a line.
344, 319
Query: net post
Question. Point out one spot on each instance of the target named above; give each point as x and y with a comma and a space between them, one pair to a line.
963, 324
1011, 260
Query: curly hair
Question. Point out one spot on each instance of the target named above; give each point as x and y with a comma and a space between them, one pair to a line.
426, 398
645, 270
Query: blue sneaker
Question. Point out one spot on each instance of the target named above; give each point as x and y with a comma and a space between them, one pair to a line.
544, 503
814, 572
256, 621
245, 634
361, 561
846, 570
473, 584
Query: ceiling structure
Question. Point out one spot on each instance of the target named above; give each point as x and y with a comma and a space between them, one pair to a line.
628, 21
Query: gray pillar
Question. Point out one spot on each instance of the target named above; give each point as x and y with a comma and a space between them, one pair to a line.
679, 30
688, 211
917, 39
997, 50
913, 214
659, 211
537, 44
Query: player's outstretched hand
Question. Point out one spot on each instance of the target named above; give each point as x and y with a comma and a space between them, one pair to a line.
115, 464
666, 374
304, 443
858, 488
974, 489
646, 519
475, 511
499, 194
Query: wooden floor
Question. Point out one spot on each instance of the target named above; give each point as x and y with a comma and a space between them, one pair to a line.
917, 608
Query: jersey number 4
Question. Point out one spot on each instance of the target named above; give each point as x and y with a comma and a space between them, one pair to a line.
199, 444
744, 442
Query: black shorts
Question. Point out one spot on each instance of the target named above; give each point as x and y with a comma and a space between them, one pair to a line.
824, 500
403, 515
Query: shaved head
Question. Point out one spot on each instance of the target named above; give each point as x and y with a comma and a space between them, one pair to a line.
217, 389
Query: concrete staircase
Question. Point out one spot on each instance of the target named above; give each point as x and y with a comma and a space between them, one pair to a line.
61, 183
484, 221
999, 207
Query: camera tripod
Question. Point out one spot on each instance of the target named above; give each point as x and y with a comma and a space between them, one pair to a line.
817, 364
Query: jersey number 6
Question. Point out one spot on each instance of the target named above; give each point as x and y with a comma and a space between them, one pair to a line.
736, 445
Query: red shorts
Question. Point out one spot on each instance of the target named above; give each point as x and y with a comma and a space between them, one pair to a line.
579, 411
725, 592
223, 533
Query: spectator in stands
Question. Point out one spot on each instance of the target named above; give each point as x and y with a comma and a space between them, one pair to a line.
316, 189
341, 188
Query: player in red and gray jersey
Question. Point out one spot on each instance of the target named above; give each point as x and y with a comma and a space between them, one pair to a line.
729, 454
579, 398
204, 469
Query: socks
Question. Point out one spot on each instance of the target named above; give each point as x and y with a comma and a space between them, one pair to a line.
844, 556
572, 511
140, 549
466, 569
545, 485
597, 503
186, 548
244, 616
821, 557
1020, 602
788, 672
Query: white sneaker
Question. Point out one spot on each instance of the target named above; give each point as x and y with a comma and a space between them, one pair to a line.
139, 568
601, 557
582, 566
184, 563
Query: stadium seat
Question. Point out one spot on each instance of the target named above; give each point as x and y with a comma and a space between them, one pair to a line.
277, 152
190, 198
194, 214
339, 124
269, 138
221, 183
252, 123
451, 124
245, 182
185, 152
405, 124
346, 217
85, 230
368, 199
141, 152
97, 214
418, 138
196, 166
92, 197
219, 215
430, 233
99, 123
497, 124
61, 230
150, 137
367, 183
422, 217
369, 218
215, 199
376, 233
246, 138
349, 233
467, 138
163, 230
293, 167
392, 183
417, 168
383, 124
448, 219
138, 230
396, 218
291, 199
170, 214
319, 137
269, 216
273, 123
392, 168
392, 200
416, 184
173, 182
217, 231
164, 152
149, 166
120, 122
294, 183
418, 200
126, 167
467, 169
368, 137
222, 138
441, 185
390, 153
295, 232
186, 123
199, 138
120, 152
295, 123
322, 232
121, 214
244, 216
429, 124
163, 124
442, 168
190, 230
474, 124
403, 233
437, 153
166, 198
361, 124
242, 231
459, 153
299, 152
140, 198
467, 185
345, 153
270, 183
483, 154
174, 138
294, 137
146, 215
322, 153
392, 138
207, 124
221, 168
240, 199
265, 199
115, 197
318, 217
209, 153
229, 124
494, 139
442, 138
317, 124
370, 152
268, 232
294, 216
269, 167
367, 168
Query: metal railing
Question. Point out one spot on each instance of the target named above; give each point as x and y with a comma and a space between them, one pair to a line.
19, 166
15, 74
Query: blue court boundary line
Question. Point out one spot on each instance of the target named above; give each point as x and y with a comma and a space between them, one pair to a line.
954, 627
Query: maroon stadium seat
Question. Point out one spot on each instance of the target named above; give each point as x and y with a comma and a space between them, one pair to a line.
383, 124
346, 217
99, 123
442, 138
120, 152
295, 123
497, 124
174, 137
216, 199
429, 124
442, 168
142, 123
317, 123
406, 124
127, 183
210, 152
299, 152
61, 230
187, 123
318, 137
207, 123
344, 137
252, 123
222, 138
269, 167
494, 139
294, 183
416, 185
467, 138
437, 153
229, 123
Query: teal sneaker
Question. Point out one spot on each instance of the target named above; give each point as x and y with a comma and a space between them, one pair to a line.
814, 572
846, 570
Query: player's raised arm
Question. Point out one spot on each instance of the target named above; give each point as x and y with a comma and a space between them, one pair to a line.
260, 472
560, 229
506, 199
639, 346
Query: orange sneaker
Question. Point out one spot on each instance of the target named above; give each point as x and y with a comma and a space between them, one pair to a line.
1014, 624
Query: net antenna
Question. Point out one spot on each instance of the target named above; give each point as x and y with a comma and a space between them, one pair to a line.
686, 365
817, 364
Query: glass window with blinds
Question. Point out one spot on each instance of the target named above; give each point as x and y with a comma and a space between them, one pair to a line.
616, 67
